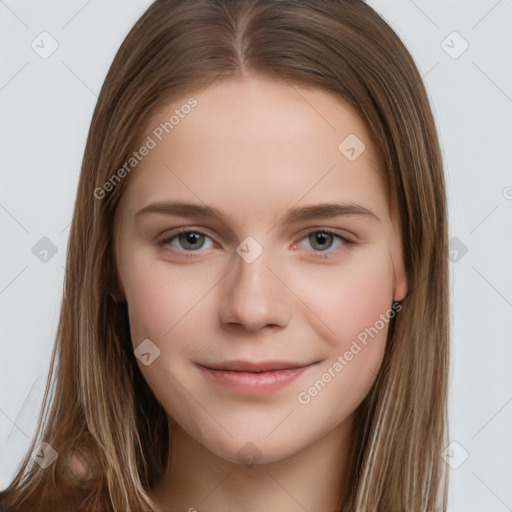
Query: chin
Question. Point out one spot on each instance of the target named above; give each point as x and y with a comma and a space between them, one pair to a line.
252, 450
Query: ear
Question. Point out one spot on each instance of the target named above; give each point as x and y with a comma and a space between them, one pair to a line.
117, 293
400, 284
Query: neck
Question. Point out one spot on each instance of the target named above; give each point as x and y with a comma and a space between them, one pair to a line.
196, 480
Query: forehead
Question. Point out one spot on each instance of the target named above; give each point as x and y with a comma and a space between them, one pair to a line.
257, 144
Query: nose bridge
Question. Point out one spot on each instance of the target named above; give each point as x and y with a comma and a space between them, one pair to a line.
254, 297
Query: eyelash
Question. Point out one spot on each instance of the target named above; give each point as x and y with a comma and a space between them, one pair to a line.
318, 254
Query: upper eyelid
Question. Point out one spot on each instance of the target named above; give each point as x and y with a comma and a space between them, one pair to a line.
344, 239
172, 233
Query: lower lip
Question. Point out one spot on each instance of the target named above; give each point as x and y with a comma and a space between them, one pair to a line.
251, 383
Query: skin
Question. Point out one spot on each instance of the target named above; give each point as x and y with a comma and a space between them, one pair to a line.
255, 147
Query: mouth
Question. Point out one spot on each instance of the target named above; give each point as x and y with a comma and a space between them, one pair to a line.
251, 378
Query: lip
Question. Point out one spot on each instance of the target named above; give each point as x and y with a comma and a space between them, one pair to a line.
255, 378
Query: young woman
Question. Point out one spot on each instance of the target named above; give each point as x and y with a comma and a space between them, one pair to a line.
255, 313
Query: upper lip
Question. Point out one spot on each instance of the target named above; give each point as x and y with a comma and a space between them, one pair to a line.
250, 366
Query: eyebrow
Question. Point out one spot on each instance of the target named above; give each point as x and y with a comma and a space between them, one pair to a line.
293, 216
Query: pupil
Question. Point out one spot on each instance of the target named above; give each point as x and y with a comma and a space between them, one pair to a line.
190, 240
322, 240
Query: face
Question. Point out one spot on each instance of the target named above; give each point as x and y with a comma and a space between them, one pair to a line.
259, 264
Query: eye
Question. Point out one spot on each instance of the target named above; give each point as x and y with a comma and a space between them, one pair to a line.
325, 243
187, 241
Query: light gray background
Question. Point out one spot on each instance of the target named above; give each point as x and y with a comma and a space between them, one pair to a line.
46, 107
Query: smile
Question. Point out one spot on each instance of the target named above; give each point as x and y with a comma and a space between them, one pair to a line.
254, 378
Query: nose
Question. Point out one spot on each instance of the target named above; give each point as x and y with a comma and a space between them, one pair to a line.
253, 297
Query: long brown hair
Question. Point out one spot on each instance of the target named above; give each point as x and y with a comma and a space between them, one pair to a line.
96, 400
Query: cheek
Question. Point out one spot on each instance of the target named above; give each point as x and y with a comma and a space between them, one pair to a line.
356, 310
148, 308
159, 298
350, 297
166, 309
